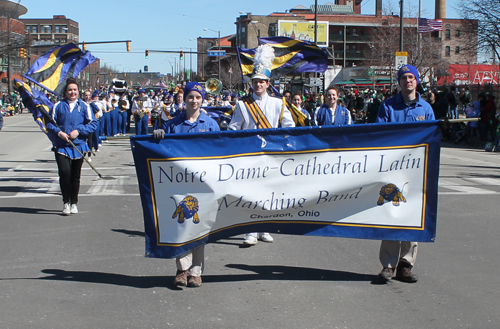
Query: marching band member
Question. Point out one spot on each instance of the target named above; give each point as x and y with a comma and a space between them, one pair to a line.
190, 120
179, 103
331, 113
75, 121
271, 109
403, 107
123, 108
297, 101
141, 108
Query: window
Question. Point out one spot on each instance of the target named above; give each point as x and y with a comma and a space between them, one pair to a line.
447, 51
458, 33
34, 29
28, 28
354, 31
348, 31
448, 34
457, 50
58, 28
242, 29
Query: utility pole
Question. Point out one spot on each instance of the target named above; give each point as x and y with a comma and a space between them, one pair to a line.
9, 53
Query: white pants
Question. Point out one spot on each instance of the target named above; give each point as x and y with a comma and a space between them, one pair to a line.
192, 261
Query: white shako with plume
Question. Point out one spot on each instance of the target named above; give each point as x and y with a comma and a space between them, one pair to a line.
262, 62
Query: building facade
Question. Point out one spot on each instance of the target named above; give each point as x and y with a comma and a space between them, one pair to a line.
46, 33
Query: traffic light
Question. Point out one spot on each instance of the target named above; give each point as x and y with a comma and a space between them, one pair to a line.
182, 54
146, 68
128, 45
84, 46
146, 54
22, 53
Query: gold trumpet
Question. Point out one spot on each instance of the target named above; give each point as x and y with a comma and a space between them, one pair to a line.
213, 86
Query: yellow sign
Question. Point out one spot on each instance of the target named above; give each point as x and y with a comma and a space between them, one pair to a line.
304, 31
401, 53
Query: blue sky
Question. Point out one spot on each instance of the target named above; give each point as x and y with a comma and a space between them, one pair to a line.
169, 25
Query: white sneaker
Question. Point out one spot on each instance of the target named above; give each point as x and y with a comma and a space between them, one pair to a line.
66, 210
89, 159
74, 209
266, 237
250, 240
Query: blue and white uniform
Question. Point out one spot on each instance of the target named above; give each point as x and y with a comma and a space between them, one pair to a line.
70, 116
324, 116
180, 124
395, 109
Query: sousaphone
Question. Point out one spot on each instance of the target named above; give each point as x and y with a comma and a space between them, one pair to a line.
213, 86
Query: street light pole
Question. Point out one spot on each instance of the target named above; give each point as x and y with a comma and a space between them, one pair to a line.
218, 57
218, 38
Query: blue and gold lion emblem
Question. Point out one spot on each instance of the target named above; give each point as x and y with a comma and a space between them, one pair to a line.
186, 209
391, 193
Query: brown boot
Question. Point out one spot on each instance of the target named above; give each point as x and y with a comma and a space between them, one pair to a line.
194, 281
404, 273
386, 274
181, 278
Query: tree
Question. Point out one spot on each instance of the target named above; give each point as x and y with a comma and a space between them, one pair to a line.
483, 23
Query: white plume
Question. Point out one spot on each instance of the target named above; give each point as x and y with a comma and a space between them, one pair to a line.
264, 56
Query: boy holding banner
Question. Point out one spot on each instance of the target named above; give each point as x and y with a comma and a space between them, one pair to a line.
261, 111
189, 120
403, 107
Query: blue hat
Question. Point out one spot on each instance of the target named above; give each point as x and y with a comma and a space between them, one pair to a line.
408, 69
96, 93
141, 90
165, 93
196, 87
111, 91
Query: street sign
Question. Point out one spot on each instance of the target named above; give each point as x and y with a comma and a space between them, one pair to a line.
216, 53
401, 59
315, 82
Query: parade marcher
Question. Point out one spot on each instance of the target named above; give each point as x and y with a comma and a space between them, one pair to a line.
272, 109
190, 120
179, 104
331, 113
90, 138
403, 107
75, 121
97, 107
105, 114
297, 101
141, 108
123, 109
114, 117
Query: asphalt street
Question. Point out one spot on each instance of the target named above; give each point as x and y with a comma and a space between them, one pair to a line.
89, 271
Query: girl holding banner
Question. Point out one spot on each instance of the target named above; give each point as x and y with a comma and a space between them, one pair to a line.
189, 120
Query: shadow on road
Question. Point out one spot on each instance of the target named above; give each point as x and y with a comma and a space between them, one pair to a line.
274, 273
24, 210
129, 232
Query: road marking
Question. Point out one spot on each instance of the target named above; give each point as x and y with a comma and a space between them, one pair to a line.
462, 189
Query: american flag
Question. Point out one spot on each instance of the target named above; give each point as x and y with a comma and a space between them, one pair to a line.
429, 25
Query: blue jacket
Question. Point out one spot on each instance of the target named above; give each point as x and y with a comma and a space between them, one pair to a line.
323, 116
81, 118
395, 109
179, 124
